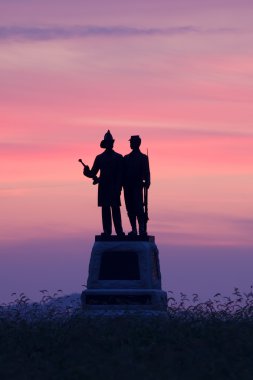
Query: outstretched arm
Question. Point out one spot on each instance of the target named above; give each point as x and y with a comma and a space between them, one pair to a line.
92, 173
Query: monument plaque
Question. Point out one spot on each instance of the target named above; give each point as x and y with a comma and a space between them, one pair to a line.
119, 265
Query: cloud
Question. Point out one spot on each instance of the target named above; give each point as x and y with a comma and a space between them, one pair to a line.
163, 130
245, 224
47, 33
183, 133
34, 148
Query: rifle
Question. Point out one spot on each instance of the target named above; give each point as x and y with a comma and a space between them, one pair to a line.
145, 203
95, 178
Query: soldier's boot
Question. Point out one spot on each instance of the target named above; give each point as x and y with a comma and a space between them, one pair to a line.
107, 221
132, 220
142, 230
116, 215
142, 226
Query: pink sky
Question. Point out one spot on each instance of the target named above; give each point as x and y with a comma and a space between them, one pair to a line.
180, 74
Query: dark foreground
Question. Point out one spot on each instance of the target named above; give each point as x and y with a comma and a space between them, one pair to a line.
211, 340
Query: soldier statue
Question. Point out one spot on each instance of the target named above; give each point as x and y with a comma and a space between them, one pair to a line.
110, 165
136, 183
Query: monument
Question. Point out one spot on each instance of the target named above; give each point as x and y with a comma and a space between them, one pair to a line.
124, 270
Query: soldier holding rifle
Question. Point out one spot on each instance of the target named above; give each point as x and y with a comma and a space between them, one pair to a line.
110, 165
136, 183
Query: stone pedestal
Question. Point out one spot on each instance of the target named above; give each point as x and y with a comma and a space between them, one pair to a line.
124, 274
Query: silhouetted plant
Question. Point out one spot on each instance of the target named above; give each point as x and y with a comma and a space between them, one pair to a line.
55, 339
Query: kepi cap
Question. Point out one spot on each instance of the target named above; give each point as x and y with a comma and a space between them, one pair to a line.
135, 138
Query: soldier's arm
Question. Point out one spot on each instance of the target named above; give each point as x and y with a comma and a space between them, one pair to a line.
91, 173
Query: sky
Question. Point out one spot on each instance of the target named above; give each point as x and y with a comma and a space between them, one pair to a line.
179, 74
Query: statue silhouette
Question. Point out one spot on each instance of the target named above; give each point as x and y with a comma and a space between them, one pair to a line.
136, 183
110, 165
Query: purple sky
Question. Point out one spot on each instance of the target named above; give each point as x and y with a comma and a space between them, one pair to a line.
180, 74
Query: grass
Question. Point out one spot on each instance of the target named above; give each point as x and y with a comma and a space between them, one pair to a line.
209, 340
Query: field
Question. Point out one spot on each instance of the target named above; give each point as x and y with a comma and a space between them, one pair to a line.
193, 340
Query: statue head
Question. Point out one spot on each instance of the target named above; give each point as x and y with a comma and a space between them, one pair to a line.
135, 142
108, 141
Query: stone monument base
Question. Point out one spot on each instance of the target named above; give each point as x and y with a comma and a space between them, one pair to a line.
124, 274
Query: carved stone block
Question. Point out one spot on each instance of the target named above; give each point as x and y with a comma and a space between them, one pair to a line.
124, 274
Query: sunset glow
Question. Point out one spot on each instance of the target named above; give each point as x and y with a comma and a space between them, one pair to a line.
179, 74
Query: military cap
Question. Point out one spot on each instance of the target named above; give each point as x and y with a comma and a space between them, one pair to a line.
135, 138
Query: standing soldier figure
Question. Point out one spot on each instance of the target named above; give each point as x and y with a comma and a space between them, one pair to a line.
136, 178
110, 165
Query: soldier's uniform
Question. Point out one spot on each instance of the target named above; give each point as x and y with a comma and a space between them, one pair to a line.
110, 165
136, 176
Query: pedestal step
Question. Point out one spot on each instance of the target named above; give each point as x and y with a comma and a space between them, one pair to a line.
124, 299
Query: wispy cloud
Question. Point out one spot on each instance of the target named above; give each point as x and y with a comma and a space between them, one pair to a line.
8, 147
183, 133
163, 129
29, 148
209, 228
37, 33
245, 224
